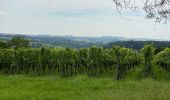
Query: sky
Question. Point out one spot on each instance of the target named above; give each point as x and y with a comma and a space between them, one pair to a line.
76, 17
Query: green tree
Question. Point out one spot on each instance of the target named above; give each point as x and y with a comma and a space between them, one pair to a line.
95, 60
148, 54
18, 42
162, 59
118, 68
125, 59
3, 45
108, 60
7, 60
83, 60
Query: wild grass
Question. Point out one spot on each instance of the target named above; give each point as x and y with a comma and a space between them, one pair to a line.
53, 87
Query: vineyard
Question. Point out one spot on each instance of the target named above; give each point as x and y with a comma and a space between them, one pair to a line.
93, 61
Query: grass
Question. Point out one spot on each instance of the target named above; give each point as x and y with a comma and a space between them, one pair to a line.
24, 87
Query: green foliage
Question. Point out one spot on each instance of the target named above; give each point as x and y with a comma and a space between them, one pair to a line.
83, 60
148, 55
93, 61
3, 45
138, 45
7, 60
162, 59
126, 59
17, 42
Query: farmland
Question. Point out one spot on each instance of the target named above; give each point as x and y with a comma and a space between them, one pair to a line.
93, 73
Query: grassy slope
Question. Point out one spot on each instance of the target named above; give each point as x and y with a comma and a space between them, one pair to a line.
81, 88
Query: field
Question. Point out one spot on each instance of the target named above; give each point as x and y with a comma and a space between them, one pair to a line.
53, 87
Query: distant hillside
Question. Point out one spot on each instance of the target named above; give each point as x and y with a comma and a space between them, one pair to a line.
51, 41
139, 44
103, 39
80, 42
63, 41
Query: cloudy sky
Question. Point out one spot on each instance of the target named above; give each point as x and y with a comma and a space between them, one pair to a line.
76, 17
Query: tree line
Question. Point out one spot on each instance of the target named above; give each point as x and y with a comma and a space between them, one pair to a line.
137, 45
93, 61
15, 43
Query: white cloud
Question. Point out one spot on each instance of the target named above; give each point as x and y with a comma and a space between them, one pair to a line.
81, 3
3, 13
75, 17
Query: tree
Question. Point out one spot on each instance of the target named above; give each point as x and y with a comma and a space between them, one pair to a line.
108, 60
18, 42
83, 60
3, 45
154, 9
162, 59
45, 59
6, 60
148, 55
95, 60
125, 59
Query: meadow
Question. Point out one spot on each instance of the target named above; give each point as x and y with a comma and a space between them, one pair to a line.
81, 87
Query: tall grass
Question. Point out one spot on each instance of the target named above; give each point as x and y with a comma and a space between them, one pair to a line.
24, 87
